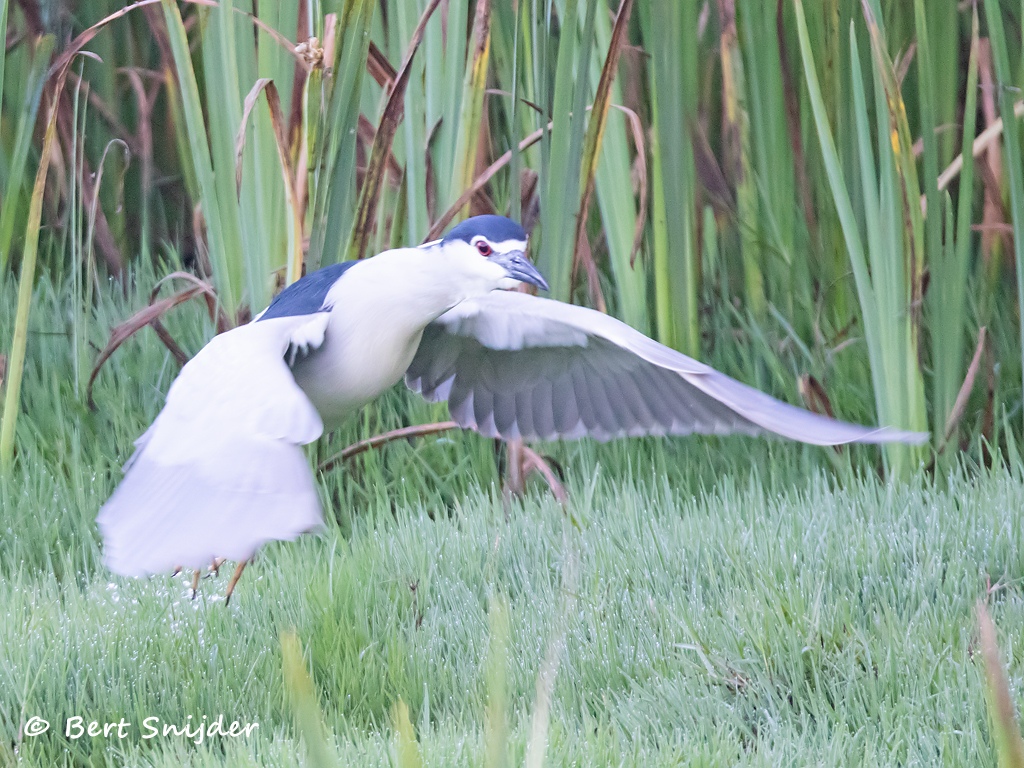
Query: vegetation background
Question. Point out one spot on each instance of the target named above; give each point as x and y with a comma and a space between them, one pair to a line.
822, 199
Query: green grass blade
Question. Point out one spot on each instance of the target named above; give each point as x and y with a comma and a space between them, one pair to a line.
26, 284
408, 750
3, 53
305, 707
496, 715
1009, 744
23, 140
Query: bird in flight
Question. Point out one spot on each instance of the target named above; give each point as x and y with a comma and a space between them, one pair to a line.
221, 470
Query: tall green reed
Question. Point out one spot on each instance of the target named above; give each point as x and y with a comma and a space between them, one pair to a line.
693, 139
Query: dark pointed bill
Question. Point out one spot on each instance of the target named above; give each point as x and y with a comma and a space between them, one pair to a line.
519, 268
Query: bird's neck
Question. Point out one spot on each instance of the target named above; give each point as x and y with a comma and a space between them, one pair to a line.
418, 285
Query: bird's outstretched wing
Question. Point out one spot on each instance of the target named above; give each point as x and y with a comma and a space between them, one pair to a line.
221, 471
512, 365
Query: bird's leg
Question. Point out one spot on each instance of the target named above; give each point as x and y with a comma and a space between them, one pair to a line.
514, 484
534, 462
195, 583
234, 580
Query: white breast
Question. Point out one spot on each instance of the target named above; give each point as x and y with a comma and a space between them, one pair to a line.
379, 310
361, 358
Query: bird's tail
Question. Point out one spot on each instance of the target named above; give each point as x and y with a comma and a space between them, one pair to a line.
168, 515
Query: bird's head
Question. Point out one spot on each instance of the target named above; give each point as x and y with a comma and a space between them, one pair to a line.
493, 247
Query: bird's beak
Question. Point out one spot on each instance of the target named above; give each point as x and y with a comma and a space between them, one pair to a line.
518, 267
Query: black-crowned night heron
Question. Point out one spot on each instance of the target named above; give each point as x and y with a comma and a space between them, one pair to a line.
221, 470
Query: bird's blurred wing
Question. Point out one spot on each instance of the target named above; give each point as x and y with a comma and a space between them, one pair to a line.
512, 365
221, 471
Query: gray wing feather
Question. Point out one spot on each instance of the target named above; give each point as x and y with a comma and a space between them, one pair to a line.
513, 365
544, 419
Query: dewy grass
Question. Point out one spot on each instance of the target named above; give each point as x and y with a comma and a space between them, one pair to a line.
736, 601
732, 605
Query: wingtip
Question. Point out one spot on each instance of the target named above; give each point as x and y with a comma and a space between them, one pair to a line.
892, 435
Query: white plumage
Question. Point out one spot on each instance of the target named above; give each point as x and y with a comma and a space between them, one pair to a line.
221, 470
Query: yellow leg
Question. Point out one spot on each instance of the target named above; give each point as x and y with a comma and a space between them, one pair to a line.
195, 583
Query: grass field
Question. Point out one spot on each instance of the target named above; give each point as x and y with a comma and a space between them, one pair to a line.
711, 602
828, 193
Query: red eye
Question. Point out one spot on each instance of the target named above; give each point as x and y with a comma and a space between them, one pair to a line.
483, 248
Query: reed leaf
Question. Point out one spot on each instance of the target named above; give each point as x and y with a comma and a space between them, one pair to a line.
28, 113
3, 36
333, 154
294, 206
670, 26
223, 232
472, 101
736, 140
562, 150
900, 279
412, 147
391, 117
15, 367
618, 208
1007, 91
950, 264
445, 85
880, 270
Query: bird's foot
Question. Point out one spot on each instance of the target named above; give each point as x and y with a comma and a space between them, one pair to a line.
214, 570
